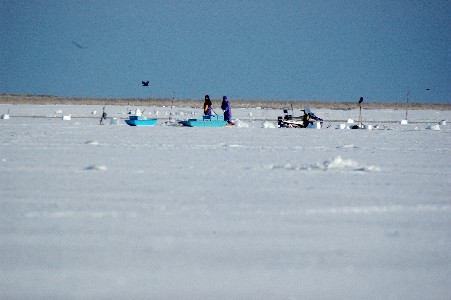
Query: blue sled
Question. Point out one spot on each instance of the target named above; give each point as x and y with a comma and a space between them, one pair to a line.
206, 121
140, 121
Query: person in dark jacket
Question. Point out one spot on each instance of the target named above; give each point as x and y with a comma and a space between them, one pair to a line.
306, 119
207, 106
104, 114
225, 106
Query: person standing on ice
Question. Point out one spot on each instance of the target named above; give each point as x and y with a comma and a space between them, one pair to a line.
225, 106
207, 106
103, 116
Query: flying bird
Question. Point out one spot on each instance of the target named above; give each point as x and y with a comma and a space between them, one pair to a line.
145, 83
78, 45
361, 100
427, 89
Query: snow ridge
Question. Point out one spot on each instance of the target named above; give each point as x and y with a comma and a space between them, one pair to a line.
337, 163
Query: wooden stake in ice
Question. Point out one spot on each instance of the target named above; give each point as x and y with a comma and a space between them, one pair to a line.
405, 122
360, 111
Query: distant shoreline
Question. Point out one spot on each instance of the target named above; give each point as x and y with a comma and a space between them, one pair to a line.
56, 100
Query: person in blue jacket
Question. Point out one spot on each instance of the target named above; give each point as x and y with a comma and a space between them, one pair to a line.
225, 106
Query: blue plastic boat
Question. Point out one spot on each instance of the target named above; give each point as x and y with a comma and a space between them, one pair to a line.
206, 121
140, 121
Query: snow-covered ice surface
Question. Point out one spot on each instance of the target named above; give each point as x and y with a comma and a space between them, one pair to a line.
166, 212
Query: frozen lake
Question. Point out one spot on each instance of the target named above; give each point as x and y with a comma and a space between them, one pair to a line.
167, 212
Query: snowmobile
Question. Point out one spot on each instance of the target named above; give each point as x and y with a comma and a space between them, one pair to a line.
308, 118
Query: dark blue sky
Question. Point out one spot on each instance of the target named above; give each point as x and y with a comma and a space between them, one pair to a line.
288, 50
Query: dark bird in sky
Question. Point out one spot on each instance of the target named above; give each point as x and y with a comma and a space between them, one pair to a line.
427, 89
361, 100
145, 83
78, 45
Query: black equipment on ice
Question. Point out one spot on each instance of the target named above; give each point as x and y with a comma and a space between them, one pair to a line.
288, 121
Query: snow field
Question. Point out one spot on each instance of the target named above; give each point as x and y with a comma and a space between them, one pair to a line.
113, 212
